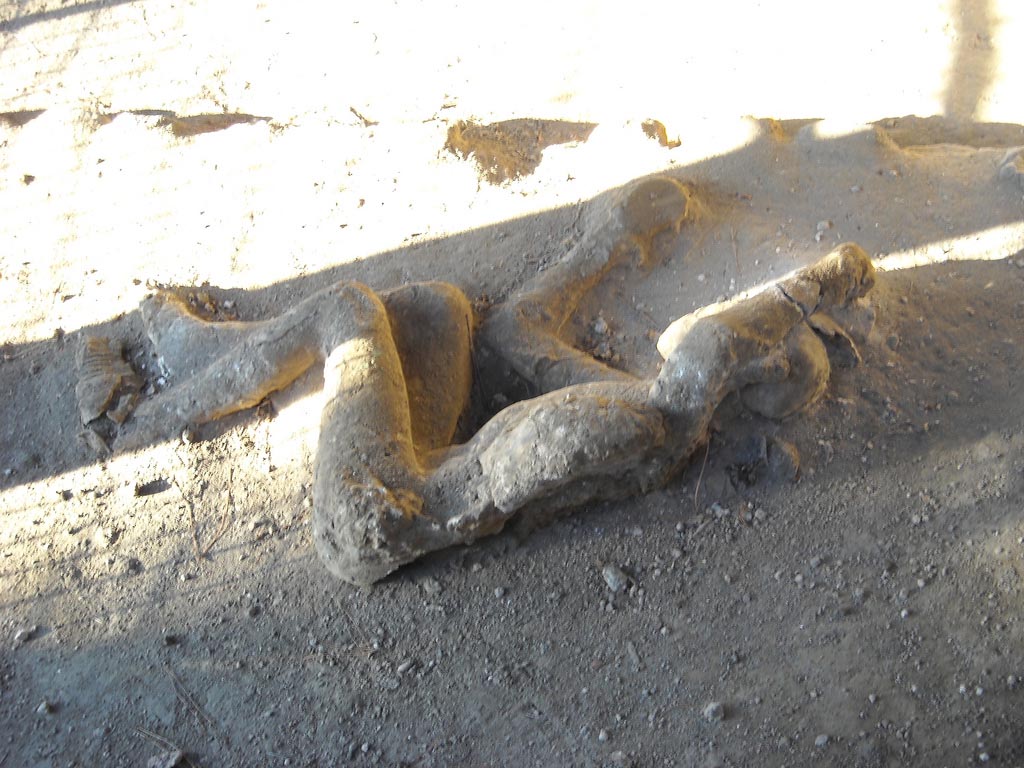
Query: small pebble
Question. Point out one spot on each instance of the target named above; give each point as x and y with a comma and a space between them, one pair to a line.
431, 587
603, 735
821, 741
984, 757
499, 592
872, 698
904, 613
44, 708
714, 712
615, 578
404, 667
1011, 680
24, 635
816, 562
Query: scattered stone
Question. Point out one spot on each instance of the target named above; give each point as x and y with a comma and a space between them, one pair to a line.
602, 735
816, 562
45, 708
26, 634
719, 511
760, 515
1011, 681
615, 578
261, 527
872, 698
634, 656
107, 536
821, 741
904, 614
499, 592
404, 667
431, 587
173, 759
714, 712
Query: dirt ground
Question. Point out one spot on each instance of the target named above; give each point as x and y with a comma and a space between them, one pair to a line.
865, 613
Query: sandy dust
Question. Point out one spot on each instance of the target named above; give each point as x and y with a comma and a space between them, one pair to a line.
867, 613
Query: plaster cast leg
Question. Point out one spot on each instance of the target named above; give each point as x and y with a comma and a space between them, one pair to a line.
526, 330
185, 343
260, 358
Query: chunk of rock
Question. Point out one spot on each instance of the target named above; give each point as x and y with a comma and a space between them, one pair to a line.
615, 578
173, 759
714, 712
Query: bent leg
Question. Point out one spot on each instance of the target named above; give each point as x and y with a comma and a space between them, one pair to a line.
526, 330
259, 358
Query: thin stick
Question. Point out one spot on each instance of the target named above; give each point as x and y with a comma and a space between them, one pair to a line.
696, 490
202, 553
191, 703
367, 123
156, 738
225, 518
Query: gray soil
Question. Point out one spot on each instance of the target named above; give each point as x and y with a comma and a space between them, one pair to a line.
866, 613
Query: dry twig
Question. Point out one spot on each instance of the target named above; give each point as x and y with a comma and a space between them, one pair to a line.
700, 477
189, 700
